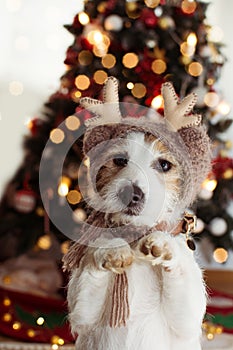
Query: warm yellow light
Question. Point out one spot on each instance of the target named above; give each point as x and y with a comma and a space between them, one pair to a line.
228, 144
6, 279
186, 49
132, 9
101, 7
211, 99
99, 41
195, 69
210, 81
31, 333
44, 242
83, 18
65, 247
74, 197
210, 336
192, 39
210, 185
100, 50
95, 37
152, 3
82, 82
86, 162
139, 90
60, 341
100, 76
54, 347
72, 122
157, 102
108, 61
16, 326
40, 321
223, 108
63, 189
57, 136
85, 57
185, 60
219, 330
79, 215
29, 123
66, 180
188, 7
56, 340
130, 60
6, 302
130, 85
166, 22
158, 66
228, 174
76, 95
220, 255
7, 317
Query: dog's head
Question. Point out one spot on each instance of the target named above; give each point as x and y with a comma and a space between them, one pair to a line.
144, 171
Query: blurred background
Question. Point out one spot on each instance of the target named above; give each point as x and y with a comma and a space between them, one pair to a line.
33, 44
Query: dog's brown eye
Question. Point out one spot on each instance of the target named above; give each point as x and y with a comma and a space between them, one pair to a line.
120, 161
165, 165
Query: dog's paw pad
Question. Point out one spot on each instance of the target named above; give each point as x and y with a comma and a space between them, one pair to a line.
117, 264
114, 259
156, 250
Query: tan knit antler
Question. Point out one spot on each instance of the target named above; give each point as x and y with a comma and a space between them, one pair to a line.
177, 113
107, 111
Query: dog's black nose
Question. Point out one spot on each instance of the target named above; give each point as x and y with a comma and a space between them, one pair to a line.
131, 195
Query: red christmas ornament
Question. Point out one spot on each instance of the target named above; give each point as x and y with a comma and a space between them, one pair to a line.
24, 201
149, 18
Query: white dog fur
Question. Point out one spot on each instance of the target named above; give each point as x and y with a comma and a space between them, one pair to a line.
167, 297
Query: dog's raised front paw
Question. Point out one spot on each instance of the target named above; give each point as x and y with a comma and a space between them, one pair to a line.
160, 249
114, 258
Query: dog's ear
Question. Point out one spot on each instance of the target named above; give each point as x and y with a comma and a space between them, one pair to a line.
198, 147
95, 136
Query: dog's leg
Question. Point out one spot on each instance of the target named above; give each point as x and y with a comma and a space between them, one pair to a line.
183, 298
89, 283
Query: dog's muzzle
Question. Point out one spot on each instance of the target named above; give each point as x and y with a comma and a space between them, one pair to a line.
132, 198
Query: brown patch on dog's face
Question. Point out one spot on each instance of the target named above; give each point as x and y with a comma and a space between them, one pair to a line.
110, 169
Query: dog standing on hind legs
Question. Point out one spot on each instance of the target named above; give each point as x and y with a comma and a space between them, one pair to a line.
134, 282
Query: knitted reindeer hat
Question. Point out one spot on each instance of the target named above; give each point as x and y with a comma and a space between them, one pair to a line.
181, 131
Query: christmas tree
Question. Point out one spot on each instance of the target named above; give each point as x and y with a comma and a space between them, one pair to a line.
143, 44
